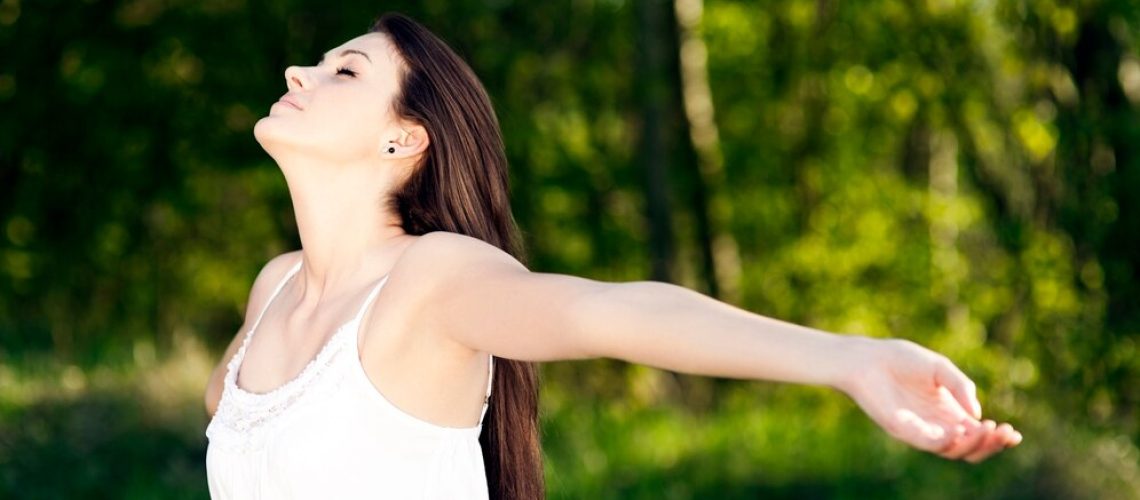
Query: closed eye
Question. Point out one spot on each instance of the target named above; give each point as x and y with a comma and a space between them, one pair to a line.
345, 71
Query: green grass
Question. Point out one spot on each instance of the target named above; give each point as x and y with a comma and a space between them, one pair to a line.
136, 431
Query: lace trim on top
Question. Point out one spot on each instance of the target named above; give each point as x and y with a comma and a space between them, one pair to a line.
244, 411
245, 414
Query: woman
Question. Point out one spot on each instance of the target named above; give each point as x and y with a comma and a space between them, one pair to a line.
332, 389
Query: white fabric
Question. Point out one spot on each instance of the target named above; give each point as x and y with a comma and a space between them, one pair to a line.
328, 433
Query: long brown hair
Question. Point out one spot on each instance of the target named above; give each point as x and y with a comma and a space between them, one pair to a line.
461, 185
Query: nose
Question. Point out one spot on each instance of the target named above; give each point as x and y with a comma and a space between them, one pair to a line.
296, 78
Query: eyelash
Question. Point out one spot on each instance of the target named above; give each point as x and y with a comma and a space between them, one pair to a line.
347, 71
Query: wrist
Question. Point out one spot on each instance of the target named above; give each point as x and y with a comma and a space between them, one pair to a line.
854, 353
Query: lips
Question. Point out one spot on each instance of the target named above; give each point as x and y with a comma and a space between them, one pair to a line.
291, 100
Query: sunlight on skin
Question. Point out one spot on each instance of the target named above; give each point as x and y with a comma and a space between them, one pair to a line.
932, 432
968, 439
923, 399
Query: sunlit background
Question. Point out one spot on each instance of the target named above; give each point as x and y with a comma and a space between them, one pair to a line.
964, 174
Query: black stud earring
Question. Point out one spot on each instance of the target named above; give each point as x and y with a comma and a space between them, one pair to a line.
391, 150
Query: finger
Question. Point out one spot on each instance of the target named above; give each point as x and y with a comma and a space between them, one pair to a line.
953, 409
921, 434
972, 437
994, 443
1012, 437
961, 387
981, 437
1001, 438
976, 434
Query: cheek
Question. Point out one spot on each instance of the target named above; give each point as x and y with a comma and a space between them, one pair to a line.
350, 122
340, 127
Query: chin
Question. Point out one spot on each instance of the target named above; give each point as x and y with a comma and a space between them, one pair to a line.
270, 133
270, 138
260, 126
282, 143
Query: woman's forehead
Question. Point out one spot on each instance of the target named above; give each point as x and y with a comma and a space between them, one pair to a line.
376, 45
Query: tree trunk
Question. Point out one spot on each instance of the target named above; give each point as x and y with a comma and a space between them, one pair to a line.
651, 74
711, 206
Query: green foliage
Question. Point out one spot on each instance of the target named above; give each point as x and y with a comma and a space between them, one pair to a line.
960, 173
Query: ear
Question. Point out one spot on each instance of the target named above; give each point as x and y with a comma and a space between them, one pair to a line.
410, 141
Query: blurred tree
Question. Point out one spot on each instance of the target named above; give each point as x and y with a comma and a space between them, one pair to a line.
959, 173
653, 35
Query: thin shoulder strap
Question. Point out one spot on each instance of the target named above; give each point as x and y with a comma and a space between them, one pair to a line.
371, 297
490, 378
490, 358
280, 285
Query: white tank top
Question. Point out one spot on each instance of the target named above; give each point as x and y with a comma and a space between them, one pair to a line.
328, 433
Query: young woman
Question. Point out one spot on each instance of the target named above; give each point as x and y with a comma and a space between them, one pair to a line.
392, 356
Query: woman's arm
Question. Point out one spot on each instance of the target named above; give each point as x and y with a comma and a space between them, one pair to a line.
481, 298
914, 394
674, 328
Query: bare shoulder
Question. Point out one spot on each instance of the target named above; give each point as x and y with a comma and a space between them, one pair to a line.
442, 266
449, 259
469, 293
447, 250
267, 280
278, 266
263, 286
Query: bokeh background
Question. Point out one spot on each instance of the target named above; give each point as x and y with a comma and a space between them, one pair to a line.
961, 173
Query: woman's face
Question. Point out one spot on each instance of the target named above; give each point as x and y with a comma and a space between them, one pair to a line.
340, 109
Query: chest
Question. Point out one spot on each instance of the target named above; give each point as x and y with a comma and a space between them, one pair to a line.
283, 345
422, 375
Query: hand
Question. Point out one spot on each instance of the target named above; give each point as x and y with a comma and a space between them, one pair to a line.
919, 397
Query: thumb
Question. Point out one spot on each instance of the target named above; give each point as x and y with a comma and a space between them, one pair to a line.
960, 386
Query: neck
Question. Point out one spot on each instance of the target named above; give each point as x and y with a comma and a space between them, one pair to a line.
347, 230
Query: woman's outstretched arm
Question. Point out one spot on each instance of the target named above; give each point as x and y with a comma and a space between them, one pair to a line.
485, 300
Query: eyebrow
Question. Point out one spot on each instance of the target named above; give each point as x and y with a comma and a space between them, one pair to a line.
345, 53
